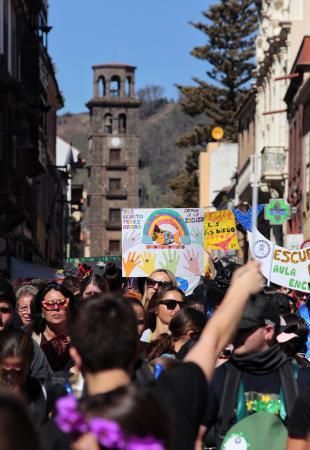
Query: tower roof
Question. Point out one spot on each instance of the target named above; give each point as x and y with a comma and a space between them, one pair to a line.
113, 65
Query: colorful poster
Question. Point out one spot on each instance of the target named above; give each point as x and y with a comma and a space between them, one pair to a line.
162, 238
287, 268
220, 231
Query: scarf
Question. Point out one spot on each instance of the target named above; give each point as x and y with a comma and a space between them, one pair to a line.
261, 363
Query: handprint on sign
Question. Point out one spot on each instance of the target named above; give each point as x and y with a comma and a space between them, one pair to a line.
171, 261
132, 262
192, 261
130, 240
147, 263
197, 236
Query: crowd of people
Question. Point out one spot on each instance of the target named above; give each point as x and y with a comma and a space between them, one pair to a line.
94, 361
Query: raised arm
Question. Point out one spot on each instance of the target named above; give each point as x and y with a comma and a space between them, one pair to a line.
221, 327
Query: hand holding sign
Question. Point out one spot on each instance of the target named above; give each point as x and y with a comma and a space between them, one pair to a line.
131, 263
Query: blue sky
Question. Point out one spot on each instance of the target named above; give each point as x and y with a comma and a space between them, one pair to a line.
153, 35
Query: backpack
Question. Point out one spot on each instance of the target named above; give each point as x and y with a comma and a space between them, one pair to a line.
260, 429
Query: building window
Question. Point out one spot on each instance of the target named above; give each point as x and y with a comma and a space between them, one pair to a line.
108, 123
122, 123
115, 215
101, 87
115, 155
114, 184
128, 87
114, 246
115, 87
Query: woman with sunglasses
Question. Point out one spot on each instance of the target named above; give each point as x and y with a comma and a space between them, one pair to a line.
49, 323
184, 327
164, 305
159, 278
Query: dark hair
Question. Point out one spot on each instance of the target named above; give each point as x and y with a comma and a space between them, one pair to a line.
98, 280
73, 284
15, 343
16, 427
187, 319
135, 409
295, 324
7, 293
282, 302
133, 301
150, 318
38, 322
113, 276
104, 332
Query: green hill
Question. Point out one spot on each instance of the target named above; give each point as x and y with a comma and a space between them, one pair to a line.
160, 158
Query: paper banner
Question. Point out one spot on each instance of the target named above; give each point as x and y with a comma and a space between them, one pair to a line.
220, 231
287, 268
162, 238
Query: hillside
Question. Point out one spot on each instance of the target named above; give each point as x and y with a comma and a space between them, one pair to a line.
160, 159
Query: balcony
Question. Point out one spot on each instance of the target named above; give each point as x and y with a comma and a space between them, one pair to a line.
273, 163
116, 194
113, 225
116, 165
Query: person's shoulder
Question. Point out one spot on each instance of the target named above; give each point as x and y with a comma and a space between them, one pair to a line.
186, 375
303, 377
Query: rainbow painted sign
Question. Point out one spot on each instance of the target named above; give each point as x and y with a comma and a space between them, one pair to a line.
162, 238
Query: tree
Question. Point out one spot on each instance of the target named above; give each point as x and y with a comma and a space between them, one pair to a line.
152, 98
230, 48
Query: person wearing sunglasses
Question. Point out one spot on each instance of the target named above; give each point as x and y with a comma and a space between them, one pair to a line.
158, 279
164, 305
16, 354
49, 323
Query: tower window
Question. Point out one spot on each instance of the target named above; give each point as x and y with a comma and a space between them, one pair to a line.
128, 87
122, 123
115, 155
114, 184
115, 215
114, 246
101, 86
108, 123
115, 86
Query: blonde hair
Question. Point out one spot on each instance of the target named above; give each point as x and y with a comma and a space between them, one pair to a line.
145, 300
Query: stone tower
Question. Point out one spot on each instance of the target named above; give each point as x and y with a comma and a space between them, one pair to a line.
113, 156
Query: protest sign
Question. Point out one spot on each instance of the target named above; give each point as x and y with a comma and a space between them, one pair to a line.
287, 268
220, 231
162, 239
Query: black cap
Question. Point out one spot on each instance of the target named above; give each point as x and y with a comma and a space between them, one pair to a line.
259, 311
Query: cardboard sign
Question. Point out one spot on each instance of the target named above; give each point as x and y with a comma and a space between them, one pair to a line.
220, 231
287, 268
162, 239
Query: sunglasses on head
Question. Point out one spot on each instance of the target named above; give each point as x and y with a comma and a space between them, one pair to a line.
50, 305
150, 282
171, 304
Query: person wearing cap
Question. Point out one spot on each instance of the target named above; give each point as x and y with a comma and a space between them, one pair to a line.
257, 373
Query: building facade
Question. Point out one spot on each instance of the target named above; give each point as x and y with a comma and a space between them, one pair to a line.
113, 157
263, 117
29, 100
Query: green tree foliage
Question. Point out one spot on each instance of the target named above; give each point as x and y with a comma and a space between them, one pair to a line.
230, 48
229, 51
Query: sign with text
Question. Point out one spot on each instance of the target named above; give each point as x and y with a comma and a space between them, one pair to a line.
163, 238
220, 231
287, 268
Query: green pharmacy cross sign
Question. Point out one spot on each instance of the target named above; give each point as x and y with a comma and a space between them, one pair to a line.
277, 211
